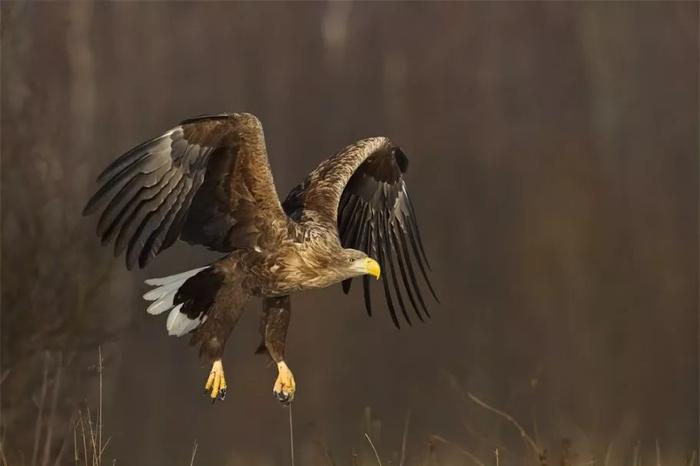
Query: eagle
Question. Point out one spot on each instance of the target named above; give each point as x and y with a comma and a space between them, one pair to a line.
208, 182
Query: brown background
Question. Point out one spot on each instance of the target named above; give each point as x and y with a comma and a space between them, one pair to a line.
554, 169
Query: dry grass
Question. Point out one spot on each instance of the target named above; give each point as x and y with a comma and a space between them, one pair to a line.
52, 437
194, 453
86, 427
441, 451
90, 444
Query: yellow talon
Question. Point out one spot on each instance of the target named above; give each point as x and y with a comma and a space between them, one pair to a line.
285, 387
216, 383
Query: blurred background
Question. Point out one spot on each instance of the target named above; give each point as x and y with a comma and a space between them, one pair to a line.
554, 170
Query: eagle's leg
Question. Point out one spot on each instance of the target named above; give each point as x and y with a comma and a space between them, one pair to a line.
274, 323
222, 316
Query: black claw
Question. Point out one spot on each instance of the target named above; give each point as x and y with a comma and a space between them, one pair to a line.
284, 398
222, 394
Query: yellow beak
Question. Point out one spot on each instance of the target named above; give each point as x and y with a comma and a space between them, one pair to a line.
373, 268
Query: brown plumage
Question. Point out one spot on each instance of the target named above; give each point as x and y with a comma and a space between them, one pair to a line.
208, 182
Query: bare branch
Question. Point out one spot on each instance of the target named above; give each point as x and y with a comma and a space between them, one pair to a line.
3, 458
291, 435
376, 454
99, 415
194, 452
635, 454
75, 442
82, 431
535, 448
608, 453
403, 440
40, 420
462, 450
52, 414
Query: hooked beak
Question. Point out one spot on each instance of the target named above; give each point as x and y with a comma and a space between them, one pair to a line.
372, 268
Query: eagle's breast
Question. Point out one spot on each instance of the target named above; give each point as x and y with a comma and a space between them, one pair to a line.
303, 261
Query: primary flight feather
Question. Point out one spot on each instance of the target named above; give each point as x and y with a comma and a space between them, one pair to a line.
208, 182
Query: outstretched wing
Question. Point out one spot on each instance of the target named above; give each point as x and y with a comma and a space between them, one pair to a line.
361, 191
206, 181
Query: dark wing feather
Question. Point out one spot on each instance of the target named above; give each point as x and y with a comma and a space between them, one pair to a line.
362, 191
206, 181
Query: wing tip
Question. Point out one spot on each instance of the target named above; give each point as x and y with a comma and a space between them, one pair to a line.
401, 158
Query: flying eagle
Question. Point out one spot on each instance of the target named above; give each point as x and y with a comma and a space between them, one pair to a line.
208, 182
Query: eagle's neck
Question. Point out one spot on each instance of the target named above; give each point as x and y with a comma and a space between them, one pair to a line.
311, 259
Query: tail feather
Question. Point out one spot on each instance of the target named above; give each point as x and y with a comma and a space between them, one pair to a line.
166, 297
157, 293
180, 277
178, 324
162, 303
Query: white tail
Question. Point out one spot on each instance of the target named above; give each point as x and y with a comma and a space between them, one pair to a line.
163, 297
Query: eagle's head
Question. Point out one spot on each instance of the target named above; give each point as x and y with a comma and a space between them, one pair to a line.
325, 266
355, 263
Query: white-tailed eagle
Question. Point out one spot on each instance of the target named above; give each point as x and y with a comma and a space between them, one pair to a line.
207, 181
